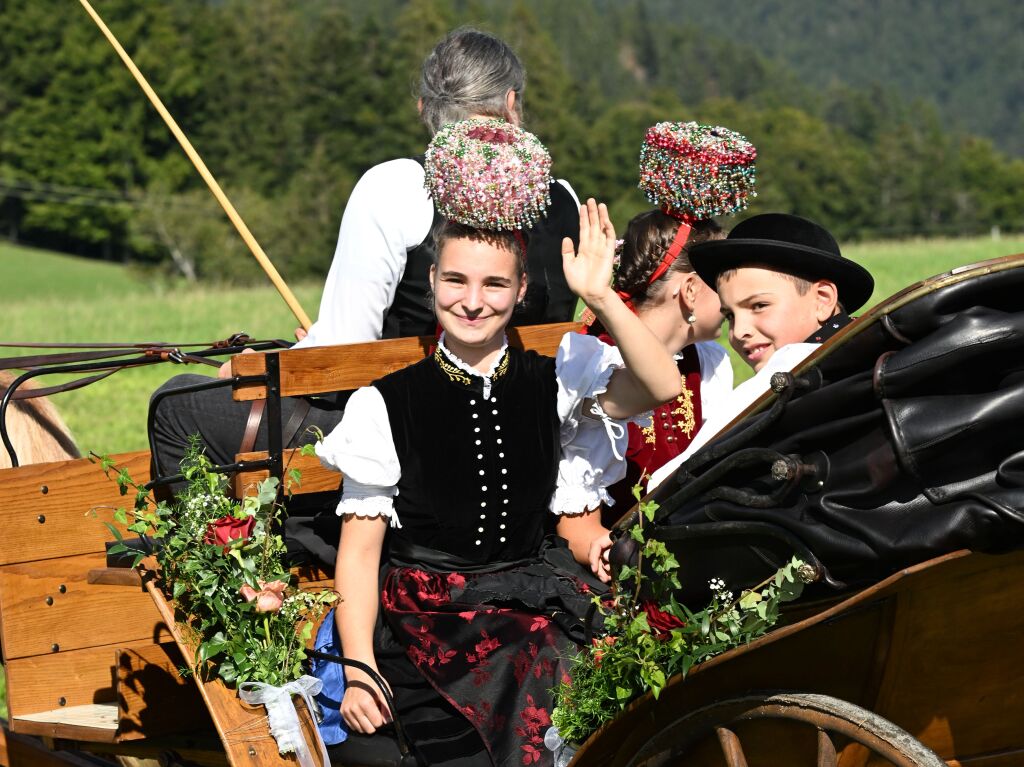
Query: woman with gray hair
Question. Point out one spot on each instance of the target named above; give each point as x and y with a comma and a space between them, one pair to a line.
378, 282
377, 286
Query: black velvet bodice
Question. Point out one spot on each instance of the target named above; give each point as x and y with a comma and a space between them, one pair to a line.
477, 474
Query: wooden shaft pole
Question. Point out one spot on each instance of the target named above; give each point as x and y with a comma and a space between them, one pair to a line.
200, 166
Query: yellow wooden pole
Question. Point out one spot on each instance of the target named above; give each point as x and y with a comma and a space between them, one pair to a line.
200, 166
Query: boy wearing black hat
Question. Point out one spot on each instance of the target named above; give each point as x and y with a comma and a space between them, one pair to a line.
785, 289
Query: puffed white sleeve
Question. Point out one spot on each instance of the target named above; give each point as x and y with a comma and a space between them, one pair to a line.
716, 376
362, 449
593, 444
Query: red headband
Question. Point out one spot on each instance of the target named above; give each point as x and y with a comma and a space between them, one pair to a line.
682, 235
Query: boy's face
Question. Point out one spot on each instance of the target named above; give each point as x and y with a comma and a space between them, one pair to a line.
766, 311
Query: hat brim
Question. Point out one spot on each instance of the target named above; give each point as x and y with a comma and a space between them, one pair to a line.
853, 282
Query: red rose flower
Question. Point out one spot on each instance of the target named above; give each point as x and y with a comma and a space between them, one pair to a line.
661, 622
222, 531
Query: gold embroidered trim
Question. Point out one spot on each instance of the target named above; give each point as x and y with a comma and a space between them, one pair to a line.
457, 375
687, 423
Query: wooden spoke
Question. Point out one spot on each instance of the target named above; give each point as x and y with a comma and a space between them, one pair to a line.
732, 749
826, 750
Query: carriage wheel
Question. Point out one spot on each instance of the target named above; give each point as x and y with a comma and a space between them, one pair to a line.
825, 731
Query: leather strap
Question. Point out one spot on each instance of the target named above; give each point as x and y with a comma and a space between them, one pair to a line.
252, 426
295, 420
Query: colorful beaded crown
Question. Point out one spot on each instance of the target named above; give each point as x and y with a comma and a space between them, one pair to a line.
694, 172
488, 174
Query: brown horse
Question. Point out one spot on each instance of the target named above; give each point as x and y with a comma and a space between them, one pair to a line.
35, 428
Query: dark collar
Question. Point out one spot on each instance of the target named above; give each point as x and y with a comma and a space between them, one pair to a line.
829, 329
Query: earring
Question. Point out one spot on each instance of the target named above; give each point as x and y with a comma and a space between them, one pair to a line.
692, 318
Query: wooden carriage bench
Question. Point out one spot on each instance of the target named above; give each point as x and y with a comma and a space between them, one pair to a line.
92, 661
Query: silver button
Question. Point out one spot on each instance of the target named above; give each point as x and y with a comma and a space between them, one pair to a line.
497, 428
483, 516
501, 455
472, 402
478, 543
483, 504
477, 429
480, 456
478, 442
494, 412
481, 472
504, 487
504, 513
484, 488
479, 529
494, 399
476, 415
504, 500
502, 539
504, 471
502, 527
498, 440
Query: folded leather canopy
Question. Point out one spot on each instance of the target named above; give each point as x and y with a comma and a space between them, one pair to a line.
905, 441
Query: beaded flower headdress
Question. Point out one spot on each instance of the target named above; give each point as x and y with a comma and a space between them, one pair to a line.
695, 172
488, 174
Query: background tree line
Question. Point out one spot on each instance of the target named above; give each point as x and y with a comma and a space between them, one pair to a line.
289, 101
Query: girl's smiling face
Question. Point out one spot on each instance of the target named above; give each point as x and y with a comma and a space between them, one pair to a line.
766, 311
476, 287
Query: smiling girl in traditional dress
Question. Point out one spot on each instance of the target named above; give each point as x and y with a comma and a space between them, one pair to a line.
450, 468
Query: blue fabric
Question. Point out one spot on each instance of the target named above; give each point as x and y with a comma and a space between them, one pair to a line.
332, 726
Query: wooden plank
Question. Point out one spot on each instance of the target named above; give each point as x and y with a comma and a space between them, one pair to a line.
51, 603
27, 751
43, 507
349, 366
315, 478
74, 678
243, 731
153, 698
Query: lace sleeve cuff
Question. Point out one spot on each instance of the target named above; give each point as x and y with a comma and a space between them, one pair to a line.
368, 501
577, 499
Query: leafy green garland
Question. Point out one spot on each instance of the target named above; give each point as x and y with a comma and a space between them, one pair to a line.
650, 637
223, 564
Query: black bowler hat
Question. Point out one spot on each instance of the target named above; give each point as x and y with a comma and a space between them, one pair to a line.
789, 244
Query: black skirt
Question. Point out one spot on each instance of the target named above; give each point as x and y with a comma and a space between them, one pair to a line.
473, 654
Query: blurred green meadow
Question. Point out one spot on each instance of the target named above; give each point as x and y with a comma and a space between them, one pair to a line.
51, 297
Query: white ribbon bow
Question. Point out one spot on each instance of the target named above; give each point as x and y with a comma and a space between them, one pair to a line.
282, 716
614, 429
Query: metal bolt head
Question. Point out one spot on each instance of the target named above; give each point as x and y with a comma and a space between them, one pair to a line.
782, 470
62, 589
41, 518
44, 489
49, 600
62, 701
55, 647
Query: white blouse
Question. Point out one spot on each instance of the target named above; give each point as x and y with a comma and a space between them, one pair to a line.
362, 448
583, 477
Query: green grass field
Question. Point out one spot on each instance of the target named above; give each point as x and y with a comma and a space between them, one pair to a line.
51, 297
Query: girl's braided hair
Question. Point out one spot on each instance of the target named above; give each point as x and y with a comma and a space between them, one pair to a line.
648, 236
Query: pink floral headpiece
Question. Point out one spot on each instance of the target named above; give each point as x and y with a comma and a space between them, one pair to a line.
488, 174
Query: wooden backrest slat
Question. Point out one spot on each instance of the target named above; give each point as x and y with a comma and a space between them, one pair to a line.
43, 507
348, 366
314, 478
